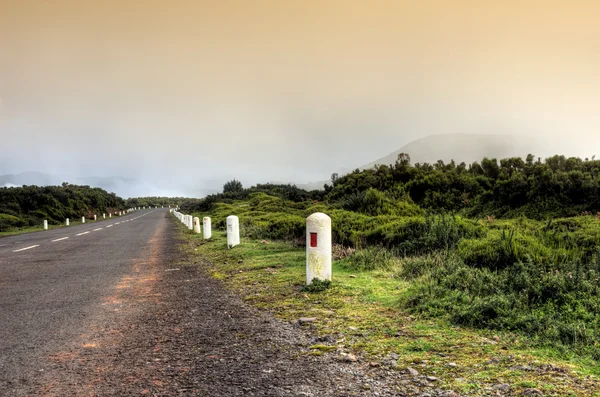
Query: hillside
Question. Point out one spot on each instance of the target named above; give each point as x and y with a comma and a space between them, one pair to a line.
460, 148
466, 148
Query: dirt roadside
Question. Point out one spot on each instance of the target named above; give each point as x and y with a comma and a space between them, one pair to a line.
170, 329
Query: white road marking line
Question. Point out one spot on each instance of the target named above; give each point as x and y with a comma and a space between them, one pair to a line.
118, 223
59, 239
2, 245
81, 234
28, 248
109, 226
95, 230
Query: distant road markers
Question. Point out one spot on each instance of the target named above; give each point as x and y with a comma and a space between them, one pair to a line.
81, 234
59, 239
27, 248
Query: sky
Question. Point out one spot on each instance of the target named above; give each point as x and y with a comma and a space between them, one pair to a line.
183, 95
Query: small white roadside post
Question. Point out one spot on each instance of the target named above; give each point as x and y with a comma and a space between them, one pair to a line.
103, 216
233, 231
190, 224
67, 222
95, 218
196, 225
45, 224
83, 219
318, 247
206, 227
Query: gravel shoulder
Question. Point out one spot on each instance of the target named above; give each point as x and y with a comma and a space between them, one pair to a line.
171, 329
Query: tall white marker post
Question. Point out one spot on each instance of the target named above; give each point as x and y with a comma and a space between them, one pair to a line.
318, 247
233, 231
45, 224
110, 215
95, 218
103, 216
67, 222
196, 225
206, 228
190, 222
83, 219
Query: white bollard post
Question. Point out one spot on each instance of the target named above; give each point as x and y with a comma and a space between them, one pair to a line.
190, 223
120, 213
83, 219
196, 225
67, 222
110, 215
45, 224
233, 231
103, 216
207, 231
318, 247
95, 218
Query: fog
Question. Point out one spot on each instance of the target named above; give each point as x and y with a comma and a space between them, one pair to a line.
178, 97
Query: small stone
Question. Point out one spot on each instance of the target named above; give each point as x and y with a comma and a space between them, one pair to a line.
449, 393
352, 276
432, 378
351, 358
504, 387
524, 368
532, 392
453, 365
412, 371
240, 261
374, 364
306, 320
353, 328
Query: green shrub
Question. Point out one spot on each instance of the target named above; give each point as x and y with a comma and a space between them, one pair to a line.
8, 222
417, 235
371, 258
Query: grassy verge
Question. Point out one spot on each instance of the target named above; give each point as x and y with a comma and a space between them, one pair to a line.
361, 313
33, 229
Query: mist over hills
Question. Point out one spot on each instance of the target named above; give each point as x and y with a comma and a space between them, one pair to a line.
466, 148
123, 187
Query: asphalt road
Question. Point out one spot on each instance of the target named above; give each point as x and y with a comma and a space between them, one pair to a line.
52, 282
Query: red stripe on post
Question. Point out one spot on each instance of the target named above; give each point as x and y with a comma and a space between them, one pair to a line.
313, 240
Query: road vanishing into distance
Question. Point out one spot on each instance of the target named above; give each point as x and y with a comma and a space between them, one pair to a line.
52, 284
124, 307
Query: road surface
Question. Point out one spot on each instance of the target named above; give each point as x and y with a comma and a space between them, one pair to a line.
53, 282
117, 308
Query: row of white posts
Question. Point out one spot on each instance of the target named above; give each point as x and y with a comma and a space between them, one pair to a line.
121, 213
193, 223
318, 240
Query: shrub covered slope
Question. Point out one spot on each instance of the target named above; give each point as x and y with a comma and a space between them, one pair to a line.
29, 205
511, 245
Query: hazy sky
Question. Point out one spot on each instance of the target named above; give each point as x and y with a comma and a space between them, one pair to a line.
167, 91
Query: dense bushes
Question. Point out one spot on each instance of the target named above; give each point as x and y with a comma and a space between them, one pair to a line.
556, 187
535, 269
29, 205
558, 304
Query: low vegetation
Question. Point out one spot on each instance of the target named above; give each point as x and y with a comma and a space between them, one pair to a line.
28, 206
510, 246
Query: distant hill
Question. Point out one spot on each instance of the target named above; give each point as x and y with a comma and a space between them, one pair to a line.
466, 148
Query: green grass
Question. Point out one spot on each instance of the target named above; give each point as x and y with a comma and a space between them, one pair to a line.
363, 311
40, 228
